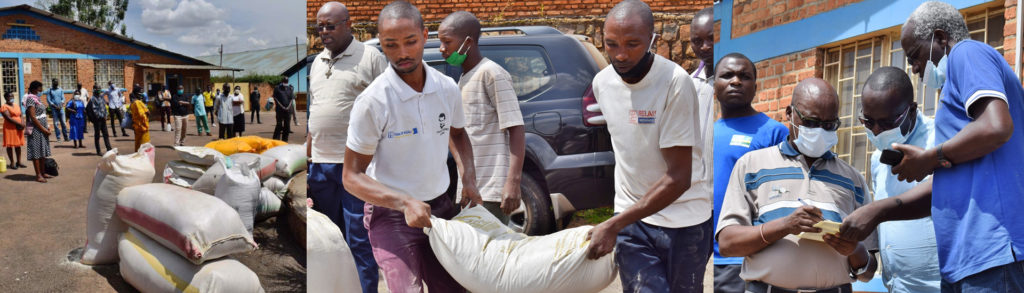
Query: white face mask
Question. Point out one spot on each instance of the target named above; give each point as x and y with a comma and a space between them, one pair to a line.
814, 142
934, 75
884, 140
237, 92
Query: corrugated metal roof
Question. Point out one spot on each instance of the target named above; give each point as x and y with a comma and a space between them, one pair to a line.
269, 61
182, 66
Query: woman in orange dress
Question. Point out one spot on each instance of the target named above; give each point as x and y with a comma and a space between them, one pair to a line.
14, 131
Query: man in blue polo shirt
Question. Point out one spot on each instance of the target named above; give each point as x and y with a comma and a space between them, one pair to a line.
55, 97
740, 130
977, 194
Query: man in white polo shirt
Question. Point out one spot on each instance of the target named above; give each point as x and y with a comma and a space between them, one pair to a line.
337, 75
397, 152
662, 230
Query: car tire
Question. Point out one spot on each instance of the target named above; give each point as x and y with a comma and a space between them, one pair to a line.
537, 218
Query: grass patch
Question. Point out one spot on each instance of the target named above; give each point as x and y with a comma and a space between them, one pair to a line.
595, 216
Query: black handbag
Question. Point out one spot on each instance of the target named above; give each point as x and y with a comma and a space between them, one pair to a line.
50, 167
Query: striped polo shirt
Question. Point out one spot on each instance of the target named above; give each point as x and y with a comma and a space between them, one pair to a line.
765, 185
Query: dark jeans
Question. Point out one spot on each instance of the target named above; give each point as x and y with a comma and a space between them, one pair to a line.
209, 113
100, 128
345, 210
727, 279
1002, 279
116, 116
165, 117
226, 131
255, 110
404, 253
659, 259
282, 128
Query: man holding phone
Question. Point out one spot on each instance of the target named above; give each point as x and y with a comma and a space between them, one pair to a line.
910, 260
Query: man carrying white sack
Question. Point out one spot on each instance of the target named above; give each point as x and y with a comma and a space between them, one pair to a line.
397, 151
650, 104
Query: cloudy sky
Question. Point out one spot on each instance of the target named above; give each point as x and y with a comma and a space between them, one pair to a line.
199, 27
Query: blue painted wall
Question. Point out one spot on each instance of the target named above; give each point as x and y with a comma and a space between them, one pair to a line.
835, 25
298, 80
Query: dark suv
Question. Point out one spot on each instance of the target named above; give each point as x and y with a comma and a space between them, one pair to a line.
569, 162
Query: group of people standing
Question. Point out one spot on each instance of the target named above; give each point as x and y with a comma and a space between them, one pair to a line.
25, 125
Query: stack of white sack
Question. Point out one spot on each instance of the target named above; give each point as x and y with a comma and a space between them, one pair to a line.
180, 240
113, 173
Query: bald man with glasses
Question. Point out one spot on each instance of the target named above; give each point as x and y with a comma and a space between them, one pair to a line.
337, 75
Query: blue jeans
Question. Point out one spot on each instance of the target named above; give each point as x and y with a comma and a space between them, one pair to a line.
659, 259
1002, 279
345, 210
58, 116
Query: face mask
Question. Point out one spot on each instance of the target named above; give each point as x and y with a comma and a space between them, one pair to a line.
638, 70
181, 92
934, 75
237, 92
814, 142
884, 140
456, 58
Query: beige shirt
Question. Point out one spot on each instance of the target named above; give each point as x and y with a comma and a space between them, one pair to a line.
490, 105
767, 184
660, 111
706, 115
334, 84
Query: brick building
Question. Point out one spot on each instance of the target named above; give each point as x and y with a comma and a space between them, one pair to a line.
841, 41
39, 45
583, 17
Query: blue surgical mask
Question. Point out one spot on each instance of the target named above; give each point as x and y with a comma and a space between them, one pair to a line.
934, 75
181, 92
814, 142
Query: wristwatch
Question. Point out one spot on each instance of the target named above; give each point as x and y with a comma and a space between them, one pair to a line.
857, 272
943, 161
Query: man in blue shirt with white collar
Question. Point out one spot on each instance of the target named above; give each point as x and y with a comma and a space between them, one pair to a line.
910, 262
55, 98
977, 194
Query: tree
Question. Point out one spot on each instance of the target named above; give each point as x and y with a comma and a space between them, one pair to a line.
105, 14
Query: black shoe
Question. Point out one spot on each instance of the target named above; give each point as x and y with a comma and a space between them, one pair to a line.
12, 167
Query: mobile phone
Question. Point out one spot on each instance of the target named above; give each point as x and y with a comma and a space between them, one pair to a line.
891, 157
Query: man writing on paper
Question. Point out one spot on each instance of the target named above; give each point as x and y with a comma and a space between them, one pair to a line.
778, 192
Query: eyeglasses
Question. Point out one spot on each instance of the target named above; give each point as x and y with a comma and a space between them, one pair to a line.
831, 125
885, 124
329, 27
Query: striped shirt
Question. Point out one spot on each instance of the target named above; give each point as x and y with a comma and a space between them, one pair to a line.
490, 105
765, 185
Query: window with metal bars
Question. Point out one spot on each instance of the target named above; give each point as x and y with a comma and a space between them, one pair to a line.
9, 78
109, 70
64, 70
847, 66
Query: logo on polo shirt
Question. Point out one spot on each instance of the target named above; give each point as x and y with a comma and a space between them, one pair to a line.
441, 119
741, 140
642, 116
403, 133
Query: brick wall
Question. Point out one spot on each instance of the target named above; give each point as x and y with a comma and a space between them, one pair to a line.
436, 10
777, 77
1010, 31
586, 17
750, 16
61, 39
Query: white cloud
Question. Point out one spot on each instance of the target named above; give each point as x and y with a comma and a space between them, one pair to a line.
257, 43
166, 16
216, 33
